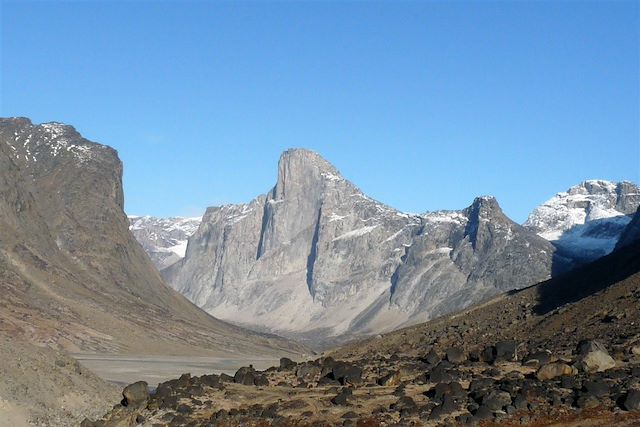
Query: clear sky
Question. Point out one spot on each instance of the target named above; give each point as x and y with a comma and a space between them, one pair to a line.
423, 105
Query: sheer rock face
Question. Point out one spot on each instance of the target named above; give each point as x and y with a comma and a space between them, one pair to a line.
316, 258
72, 276
586, 221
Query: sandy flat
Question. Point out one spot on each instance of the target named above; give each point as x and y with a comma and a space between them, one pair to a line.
155, 369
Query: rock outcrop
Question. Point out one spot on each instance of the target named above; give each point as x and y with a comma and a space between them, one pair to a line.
316, 258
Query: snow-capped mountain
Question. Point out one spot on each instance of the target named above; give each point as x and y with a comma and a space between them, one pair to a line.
585, 222
164, 239
316, 258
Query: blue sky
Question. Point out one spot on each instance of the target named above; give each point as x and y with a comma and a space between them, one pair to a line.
423, 105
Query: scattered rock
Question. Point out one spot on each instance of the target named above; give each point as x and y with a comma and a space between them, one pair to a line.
507, 351
287, 364
497, 400
308, 371
245, 375
597, 361
390, 380
343, 398
135, 394
456, 355
553, 370
539, 358
632, 400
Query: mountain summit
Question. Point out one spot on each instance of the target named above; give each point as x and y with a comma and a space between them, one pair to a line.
315, 258
586, 221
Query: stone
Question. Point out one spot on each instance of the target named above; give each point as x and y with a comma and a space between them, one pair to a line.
587, 346
596, 388
538, 358
588, 402
347, 374
497, 400
553, 370
483, 413
260, 380
488, 355
135, 394
245, 376
632, 400
405, 404
390, 380
287, 364
432, 358
456, 355
343, 397
597, 361
568, 382
507, 351
308, 371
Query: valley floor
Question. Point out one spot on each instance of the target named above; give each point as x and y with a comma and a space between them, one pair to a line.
124, 369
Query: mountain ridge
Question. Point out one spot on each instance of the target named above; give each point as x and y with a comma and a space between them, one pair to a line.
316, 239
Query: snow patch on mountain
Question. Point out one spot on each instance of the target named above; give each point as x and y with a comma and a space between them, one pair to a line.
164, 239
585, 222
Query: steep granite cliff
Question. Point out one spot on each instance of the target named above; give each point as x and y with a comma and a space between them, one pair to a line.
315, 258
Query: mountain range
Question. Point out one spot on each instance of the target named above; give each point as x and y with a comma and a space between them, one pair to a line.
317, 260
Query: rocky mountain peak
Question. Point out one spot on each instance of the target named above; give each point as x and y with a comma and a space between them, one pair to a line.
302, 172
484, 207
585, 221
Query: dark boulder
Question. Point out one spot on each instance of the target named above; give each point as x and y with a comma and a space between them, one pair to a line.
496, 400
507, 351
632, 400
287, 364
343, 397
245, 375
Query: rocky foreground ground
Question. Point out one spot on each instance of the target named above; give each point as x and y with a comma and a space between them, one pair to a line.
496, 384
542, 356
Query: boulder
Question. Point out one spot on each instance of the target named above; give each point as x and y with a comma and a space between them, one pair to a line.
632, 401
287, 364
456, 355
539, 358
343, 398
588, 346
496, 400
553, 370
596, 388
488, 355
135, 394
507, 351
432, 358
597, 361
390, 380
260, 380
346, 373
307, 371
245, 375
